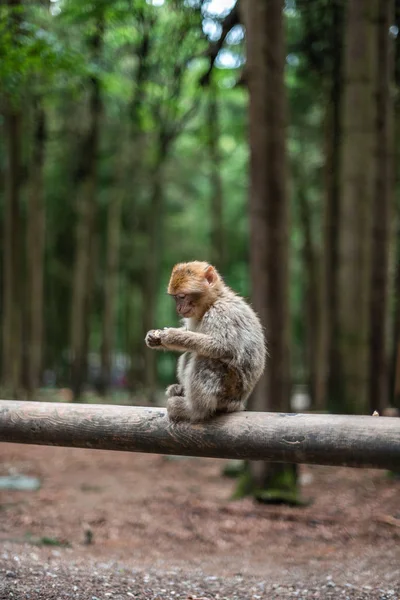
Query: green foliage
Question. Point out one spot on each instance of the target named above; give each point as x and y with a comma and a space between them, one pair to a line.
31, 47
280, 489
149, 68
46, 541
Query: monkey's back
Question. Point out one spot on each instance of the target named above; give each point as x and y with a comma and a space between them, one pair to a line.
233, 324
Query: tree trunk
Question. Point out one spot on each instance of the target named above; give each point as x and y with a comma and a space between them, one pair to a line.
110, 287
269, 222
86, 215
355, 210
81, 292
12, 263
135, 304
152, 275
12, 297
35, 253
217, 229
396, 339
312, 306
143, 364
326, 376
327, 392
395, 366
382, 211
93, 265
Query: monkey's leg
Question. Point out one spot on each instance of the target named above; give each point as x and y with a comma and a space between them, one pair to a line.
203, 406
213, 387
202, 387
176, 389
178, 409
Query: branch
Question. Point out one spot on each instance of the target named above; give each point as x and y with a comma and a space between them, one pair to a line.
232, 19
352, 441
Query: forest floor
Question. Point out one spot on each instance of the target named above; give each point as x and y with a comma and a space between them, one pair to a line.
114, 526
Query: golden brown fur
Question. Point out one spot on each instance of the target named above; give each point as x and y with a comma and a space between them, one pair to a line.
222, 342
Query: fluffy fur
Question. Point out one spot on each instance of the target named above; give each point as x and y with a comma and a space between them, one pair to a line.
222, 341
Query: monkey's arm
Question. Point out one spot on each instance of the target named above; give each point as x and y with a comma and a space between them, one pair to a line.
181, 340
153, 338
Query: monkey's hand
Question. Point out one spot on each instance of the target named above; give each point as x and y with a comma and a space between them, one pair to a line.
153, 338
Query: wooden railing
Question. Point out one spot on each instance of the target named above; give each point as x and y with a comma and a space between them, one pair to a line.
354, 441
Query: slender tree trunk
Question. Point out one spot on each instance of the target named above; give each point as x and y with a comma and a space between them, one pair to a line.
152, 275
12, 235
110, 287
328, 377
268, 196
80, 292
86, 215
90, 297
35, 252
312, 305
135, 304
325, 274
395, 366
382, 211
396, 336
355, 218
12, 314
217, 228
269, 220
138, 286
2, 249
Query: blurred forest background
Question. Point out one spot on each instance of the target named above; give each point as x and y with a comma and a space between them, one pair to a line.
259, 134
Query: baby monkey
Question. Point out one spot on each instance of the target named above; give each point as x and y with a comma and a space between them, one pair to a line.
222, 341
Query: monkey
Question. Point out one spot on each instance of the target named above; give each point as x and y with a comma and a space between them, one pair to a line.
222, 341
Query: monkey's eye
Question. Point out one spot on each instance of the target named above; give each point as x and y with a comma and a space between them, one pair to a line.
181, 296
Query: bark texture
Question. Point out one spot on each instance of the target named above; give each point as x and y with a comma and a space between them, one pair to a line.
12, 235
35, 252
359, 441
217, 228
269, 211
355, 211
327, 374
152, 275
86, 215
382, 212
12, 293
312, 305
110, 287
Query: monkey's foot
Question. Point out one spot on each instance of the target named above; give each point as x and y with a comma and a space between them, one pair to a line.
153, 338
176, 389
234, 406
178, 409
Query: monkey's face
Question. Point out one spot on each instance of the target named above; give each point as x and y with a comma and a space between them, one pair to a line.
186, 305
194, 287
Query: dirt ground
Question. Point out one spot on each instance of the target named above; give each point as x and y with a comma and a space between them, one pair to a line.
109, 525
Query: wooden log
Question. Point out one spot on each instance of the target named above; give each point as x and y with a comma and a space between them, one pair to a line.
356, 441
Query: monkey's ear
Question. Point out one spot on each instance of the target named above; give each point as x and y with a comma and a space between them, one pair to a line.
210, 275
